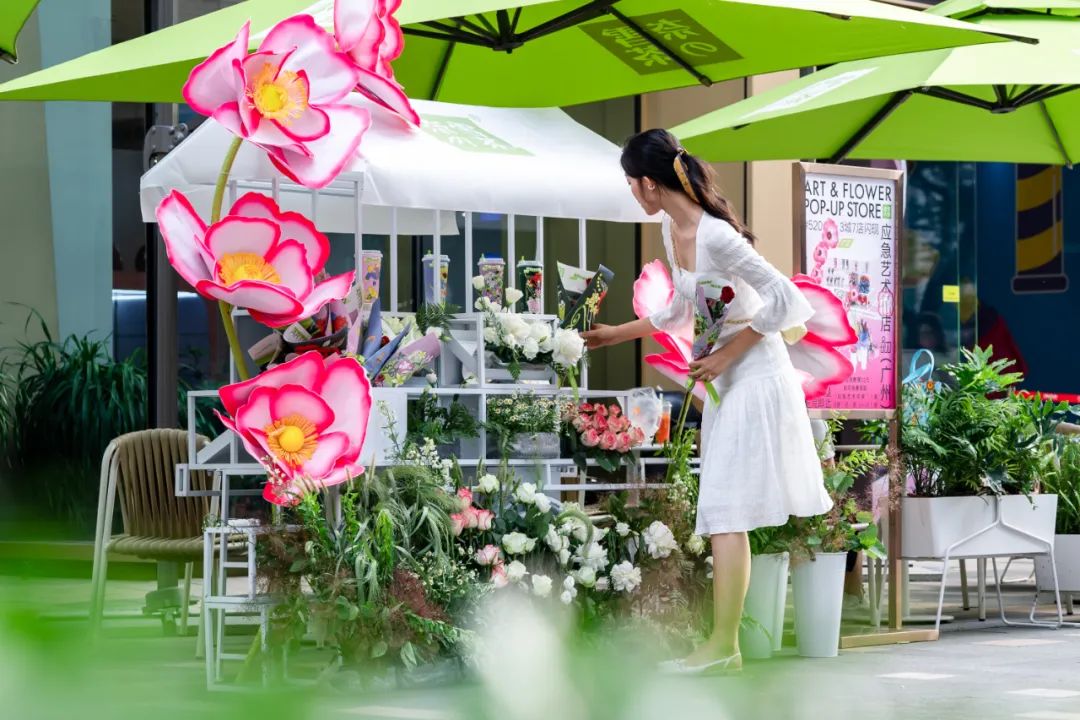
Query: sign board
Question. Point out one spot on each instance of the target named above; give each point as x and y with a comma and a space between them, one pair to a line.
848, 223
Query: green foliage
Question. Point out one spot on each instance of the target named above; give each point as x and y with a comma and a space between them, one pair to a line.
435, 315
61, 403
844, 528
979, 436
1064, 481
444, 425
373, 598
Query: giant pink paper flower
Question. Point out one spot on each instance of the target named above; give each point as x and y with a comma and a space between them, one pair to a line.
285, 98
653, 290
368, 31
256, 257
815, 357
304, 420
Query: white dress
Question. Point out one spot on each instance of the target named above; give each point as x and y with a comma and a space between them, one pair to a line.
759, 462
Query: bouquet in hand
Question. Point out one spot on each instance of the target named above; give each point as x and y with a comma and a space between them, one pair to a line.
580, 295
710, 312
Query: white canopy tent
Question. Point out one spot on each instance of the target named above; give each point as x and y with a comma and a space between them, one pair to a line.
515, 162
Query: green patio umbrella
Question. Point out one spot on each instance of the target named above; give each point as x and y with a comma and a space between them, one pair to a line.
13, 16
537, 52
1006, 102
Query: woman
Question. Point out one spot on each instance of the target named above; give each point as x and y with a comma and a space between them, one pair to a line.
759, 462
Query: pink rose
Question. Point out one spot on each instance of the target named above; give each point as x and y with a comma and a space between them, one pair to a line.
624, 443
600, 423
608, 441
465, 495
489, 555
601, 410
590, 438
484, 519
578, 423
498, 575
472, 518
586, 408
615, 411
457, 523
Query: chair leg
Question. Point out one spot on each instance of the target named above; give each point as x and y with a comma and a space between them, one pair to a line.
981, 589
964, 585
185, 599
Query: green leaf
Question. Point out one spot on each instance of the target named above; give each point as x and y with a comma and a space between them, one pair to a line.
379, 649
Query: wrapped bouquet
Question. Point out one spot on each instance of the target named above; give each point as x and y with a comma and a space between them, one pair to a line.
580, 295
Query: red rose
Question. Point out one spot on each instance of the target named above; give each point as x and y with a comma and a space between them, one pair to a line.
727, 294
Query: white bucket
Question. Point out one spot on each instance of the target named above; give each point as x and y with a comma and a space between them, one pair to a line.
819, 602
765, 601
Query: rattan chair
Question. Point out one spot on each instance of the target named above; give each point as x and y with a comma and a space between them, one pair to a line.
141, 468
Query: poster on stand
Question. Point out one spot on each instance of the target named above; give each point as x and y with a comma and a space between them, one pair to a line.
848, 222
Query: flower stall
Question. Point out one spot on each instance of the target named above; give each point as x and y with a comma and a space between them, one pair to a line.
493, 386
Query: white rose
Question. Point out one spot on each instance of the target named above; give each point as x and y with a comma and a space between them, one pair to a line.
568, 347
564, 557
594, 556
543, 503
603, 584
516, 543
513, 295
695, 545
567, 597
487, 484
574, 526
599, 534
541, 585
525, 493
568, 582
530, 349
482, 303
622, 529
521, 329
540, 331
516, 571
478, 282
586, 576
625, 577
432, 378
490, 336
553, 540
546, 345
659, 540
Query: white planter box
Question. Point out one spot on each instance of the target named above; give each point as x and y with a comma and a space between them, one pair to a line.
1067, 559
819, 603
765, 601
984, 526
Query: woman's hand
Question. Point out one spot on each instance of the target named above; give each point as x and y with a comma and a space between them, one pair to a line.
601, 335
712, 366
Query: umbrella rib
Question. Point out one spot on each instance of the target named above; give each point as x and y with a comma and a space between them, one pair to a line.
879, 117
583, 14
449, 33
440, 74
699, 76
957, 97
1050, 91
1057, 135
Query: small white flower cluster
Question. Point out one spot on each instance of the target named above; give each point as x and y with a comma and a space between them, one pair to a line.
427, 455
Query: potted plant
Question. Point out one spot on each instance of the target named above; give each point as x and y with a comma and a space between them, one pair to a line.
446, 426
766, 597
1065, 483
524, 425
977, 456
821, 548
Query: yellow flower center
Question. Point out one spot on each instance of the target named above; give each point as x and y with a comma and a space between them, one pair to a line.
292, 439
234, 267
280, 98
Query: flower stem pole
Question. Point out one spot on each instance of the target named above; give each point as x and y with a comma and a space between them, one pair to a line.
215, 215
